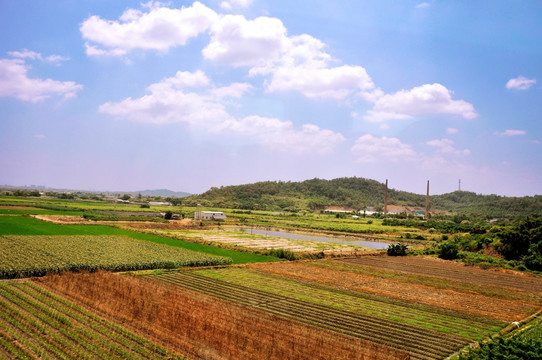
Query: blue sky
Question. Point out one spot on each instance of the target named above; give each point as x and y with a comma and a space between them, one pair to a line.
129, 95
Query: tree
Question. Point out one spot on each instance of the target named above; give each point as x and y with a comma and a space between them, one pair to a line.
397, 250
448, 251
125, 197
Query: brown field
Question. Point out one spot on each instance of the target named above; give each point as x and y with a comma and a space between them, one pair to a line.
203, 327
465, 298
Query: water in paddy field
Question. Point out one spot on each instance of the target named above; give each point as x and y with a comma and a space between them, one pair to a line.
327, 239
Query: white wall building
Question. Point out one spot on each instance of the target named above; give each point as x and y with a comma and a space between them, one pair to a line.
209, 215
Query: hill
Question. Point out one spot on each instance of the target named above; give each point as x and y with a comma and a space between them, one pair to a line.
356, 193
163, 193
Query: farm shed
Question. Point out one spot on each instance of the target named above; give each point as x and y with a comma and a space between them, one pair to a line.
209, 215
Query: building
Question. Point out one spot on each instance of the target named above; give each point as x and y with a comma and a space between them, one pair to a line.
209, 215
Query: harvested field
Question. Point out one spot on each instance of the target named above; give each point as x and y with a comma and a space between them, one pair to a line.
203, 327
255, 242
34, 323
420, 343
452, 270
466, 299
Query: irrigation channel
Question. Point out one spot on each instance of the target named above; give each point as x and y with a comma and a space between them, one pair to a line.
420, 343
327, 239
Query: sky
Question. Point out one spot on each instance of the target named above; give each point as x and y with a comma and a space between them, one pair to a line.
128, 95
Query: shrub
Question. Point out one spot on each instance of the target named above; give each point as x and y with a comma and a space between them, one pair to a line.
168, 215
145, 206
397, 250
448, 251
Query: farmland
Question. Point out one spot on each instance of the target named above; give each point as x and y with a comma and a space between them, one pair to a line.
24, 256
35, 323
353, 303
205, 327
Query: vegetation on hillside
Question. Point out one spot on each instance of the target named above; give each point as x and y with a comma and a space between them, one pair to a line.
358, 194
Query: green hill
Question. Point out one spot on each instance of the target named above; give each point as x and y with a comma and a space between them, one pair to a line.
356, 193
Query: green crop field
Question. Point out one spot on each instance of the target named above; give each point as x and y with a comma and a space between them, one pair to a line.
34, 323
24, 256
20, 225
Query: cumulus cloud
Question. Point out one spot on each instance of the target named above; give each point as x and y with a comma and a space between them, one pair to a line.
428, 99
236, 41
170, 101
511, 133
15, 82
520, 83
445, 146
158, 29
295, 63
369, 149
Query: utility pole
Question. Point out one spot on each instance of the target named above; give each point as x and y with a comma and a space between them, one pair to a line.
427, 203
386, 199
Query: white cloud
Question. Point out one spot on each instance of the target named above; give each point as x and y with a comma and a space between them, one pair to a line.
445, 146
14, 82
235, 90
28, 54
452, 131
159, 29
169, 102
511, 133
428, 99
39, 136
423, 5
295, 63
370, 149
520, 83
282, 136
236, 41
228, 5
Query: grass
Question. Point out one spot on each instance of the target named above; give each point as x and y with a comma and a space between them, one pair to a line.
20, 225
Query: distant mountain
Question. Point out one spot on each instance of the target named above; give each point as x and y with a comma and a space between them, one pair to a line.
357, 193
163, 193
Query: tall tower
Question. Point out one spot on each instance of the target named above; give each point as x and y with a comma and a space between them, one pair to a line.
386, 199
459, 188
427, 202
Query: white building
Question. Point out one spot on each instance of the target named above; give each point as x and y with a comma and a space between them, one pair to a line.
209, 215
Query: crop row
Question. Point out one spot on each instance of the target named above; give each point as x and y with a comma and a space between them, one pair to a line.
420, 343
34, 323
439, 268
23, 256
362, 303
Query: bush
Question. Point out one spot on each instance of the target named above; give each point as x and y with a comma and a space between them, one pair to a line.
448, 251
145, 206
397, 250
168, 215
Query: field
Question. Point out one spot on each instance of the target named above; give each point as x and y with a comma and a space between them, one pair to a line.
427, 321
20, 225
205, 327
35, 323
25, 256
348, 305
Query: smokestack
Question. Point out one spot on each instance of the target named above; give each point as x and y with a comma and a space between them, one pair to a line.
386, 199
427, 202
